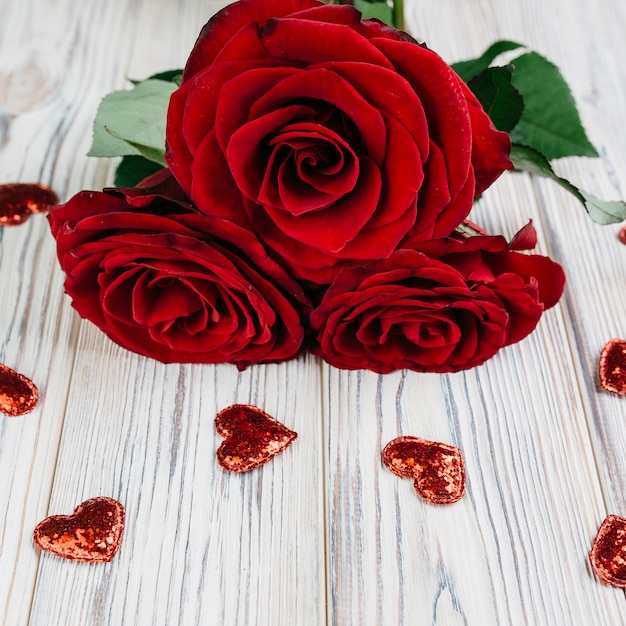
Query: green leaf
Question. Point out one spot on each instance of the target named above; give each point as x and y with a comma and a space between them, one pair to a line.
502, 102
133, 169
467, 229
170, 76
472, 67
391, 13
375, 9
600, 211
149, 152
133, 121
397, 14
550, 123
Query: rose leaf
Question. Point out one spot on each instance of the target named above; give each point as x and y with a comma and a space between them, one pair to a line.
133, 169
171, 76
472, 67
133, 121
502, 102
375, 9
550, 122
603, 212
151, 153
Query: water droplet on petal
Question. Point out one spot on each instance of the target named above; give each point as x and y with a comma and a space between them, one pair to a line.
18, 394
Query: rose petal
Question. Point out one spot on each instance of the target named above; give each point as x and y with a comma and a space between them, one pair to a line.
329, 87
312, 42
227, 22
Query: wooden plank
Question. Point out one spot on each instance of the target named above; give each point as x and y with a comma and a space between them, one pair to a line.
38, 102
200, 545
237, 549
595, 297
589, 51
520, 537
38, 337
38, 333
515, 549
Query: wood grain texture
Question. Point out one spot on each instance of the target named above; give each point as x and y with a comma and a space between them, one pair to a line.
324, 534
201, 545
38, 339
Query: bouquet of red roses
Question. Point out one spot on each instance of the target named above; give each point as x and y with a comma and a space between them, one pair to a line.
320, 168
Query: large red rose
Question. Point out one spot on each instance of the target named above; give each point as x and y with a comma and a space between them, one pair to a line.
174, 285
331, 136
447, 307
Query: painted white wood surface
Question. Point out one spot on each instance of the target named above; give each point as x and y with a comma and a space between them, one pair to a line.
323, 535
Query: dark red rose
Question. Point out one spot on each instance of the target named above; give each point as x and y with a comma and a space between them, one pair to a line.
172, 284
447, 307
332, 137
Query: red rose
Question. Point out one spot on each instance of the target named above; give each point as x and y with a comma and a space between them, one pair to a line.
446, 308
331, 136
174, 285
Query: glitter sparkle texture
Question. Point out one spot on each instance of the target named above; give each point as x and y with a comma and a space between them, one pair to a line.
612, 367
608, 553
19, 200
437, 469
18, 394
92, 533
251, 437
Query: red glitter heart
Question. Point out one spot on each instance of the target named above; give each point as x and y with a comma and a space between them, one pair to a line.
608, 553
92, 533
18, 394
612, 369
252, 437
19, 200
437, 469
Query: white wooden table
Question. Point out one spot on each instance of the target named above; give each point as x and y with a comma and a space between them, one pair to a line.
324, 534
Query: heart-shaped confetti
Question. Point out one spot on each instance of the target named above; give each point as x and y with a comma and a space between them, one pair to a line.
19, 200
437, 469
608, 553
92, 533
252, 437
612, 368
18, 394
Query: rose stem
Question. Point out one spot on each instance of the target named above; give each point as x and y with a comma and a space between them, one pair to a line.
398, 14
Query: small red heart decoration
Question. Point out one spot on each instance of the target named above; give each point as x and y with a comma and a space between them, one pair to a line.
19, 200
18, 394
93, 532
252, 437
437, 469
612, 369
608, 553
